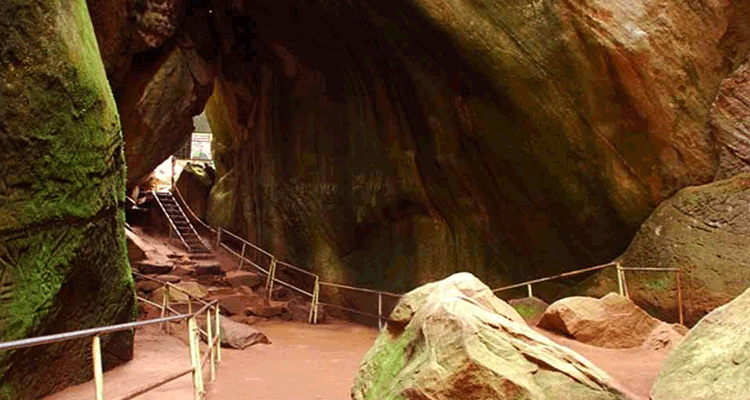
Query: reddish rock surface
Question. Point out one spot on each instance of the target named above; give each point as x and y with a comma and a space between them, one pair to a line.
612, 321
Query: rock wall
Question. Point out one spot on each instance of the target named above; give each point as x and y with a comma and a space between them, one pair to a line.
63, 257
389, 146
704, 231
159, 60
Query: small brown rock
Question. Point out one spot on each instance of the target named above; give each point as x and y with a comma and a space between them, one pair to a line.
168, 278
148, 267
244, 278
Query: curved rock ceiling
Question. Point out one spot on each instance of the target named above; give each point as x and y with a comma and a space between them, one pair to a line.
390, 143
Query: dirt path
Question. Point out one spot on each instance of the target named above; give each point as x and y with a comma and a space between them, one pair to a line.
304, 362
156, 356
634, 369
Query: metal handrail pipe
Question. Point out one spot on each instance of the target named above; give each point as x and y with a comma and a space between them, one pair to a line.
227, 248
650, 269
204, 308
182, 199
570, 273
59, 337
207, 356
338, 285
297, 269
158, 305
248, 243
172, 285
164, 210
290, 286
349, 309
155, 385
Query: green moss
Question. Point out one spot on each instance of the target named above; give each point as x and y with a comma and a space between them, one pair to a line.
387, 359
525, 310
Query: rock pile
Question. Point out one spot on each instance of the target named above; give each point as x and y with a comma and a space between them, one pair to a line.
612, 322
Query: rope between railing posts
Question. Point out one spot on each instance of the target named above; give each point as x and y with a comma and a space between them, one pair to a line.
243, 258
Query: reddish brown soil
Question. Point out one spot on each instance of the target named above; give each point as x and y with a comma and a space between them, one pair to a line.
634, 370
304, 362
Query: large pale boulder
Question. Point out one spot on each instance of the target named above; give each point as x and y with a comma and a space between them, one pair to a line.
63, 256
705, 232
713, 361
612, 321
453, 339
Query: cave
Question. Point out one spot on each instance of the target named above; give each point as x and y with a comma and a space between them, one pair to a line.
375, 143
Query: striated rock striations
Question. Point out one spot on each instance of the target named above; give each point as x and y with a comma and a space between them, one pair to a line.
454, 339
705, 232
63, 256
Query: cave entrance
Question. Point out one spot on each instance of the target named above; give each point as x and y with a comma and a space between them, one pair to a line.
196, 150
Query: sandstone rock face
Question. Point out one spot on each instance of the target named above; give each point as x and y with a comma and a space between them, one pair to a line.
612, 322
450, 340
194, 185
63, 256
158, 104
704, 231
161, 73
713, 361
509, 139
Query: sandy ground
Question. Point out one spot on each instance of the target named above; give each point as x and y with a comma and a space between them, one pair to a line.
156, 356
306, 362
634, 370
303, 362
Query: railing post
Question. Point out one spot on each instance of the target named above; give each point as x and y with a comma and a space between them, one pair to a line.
190, 305
528, 289
380, 311
679, 296
217, 315
271, 276
317, 296
164, 303
242, 256
218, 237
211, 349
620, 287
195, 359
96, 352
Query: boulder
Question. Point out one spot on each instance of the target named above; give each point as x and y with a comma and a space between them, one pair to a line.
612, 321
207, 268
274, 309
63, 254
194, 184
176, 296
136, 247
664, 337
244, 278
168, 278
530, 308
152, 267
234, 303
453, 339
300, 310
147, 286
237, 335
703, 231
713, 361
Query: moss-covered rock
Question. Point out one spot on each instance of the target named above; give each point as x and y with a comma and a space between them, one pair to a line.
703, 231
63, 256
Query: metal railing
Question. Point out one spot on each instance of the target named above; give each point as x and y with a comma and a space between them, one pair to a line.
212, 356
622, 286
315, 294
172, 226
